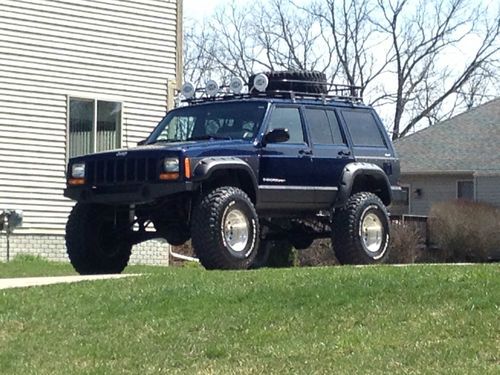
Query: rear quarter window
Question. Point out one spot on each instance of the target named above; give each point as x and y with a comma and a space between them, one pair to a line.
363, 128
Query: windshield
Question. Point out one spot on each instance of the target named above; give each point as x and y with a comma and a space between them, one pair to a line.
212, 121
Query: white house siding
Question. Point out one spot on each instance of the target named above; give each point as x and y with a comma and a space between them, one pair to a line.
116, 50
433, 188
488, 189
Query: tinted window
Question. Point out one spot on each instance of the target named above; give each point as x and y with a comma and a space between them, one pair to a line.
324, 127
338, 138
363, 128
319, 127
288, 118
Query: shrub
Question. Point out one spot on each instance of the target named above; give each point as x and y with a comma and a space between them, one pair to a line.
465, 231
405, 243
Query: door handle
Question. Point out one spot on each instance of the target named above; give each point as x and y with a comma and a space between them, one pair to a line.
305, 152
344, 153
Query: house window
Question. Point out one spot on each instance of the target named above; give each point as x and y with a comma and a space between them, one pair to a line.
94, 125
465, 190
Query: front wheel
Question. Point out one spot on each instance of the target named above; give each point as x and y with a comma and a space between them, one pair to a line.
225, 229
361, 231
93, 243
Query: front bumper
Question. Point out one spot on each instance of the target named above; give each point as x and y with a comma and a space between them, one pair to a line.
126, 194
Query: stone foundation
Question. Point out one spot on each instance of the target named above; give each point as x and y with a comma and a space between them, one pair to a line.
53, 247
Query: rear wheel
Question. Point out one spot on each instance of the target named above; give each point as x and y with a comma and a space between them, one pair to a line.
225, 229
361, 231
94, 245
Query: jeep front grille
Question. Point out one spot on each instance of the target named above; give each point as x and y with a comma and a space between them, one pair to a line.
122, 171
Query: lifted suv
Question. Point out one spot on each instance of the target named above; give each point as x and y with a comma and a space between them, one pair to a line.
246, 177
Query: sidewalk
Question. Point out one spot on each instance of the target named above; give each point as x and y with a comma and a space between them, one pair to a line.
39, 281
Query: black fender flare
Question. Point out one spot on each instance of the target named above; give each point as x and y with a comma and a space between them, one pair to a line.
205, 168
353, 170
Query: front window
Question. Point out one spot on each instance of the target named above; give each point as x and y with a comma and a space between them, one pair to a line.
94, 125
211, 121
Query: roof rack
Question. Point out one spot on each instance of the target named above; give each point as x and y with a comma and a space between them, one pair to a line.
320, 91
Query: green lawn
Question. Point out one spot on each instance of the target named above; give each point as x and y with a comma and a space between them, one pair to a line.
32, 266
422, 319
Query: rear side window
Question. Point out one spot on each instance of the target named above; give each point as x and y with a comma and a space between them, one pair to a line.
324, 127
319, 127
288, 118
363, 128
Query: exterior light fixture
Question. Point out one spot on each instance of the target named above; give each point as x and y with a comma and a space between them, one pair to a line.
188, 90
261, 82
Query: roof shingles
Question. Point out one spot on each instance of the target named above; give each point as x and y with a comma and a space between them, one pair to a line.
467, 142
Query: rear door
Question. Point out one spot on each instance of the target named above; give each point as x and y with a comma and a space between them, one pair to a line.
330, 152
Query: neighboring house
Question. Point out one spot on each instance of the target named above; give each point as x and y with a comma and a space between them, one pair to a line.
455, 159
77, 77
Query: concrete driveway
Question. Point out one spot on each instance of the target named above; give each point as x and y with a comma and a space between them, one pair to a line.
39, 281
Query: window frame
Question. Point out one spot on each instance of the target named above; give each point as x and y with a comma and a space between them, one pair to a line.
94, 98
473, 189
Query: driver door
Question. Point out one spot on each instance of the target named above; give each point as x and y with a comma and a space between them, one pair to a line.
286, 170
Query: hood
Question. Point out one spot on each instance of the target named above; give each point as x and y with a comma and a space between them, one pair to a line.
191, 148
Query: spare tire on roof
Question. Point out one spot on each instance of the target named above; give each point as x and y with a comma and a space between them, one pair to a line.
311, 82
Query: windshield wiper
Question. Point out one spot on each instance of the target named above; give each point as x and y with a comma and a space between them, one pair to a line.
208, 137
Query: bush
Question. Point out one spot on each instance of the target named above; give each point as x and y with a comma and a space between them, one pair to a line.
405, 243
465, 231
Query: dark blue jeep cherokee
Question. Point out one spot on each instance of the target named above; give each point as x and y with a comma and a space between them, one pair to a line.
246, 177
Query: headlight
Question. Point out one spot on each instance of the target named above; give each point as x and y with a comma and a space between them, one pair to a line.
171, 165
78, 170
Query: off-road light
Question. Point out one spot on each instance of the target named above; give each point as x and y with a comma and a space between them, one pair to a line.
261, 82
212, 88
78, 170
188, 90
236, 85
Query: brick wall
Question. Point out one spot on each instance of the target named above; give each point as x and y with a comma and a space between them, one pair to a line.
53, 247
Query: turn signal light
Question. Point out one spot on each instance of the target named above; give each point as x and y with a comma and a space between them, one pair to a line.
76, 181
187, 168
169, 176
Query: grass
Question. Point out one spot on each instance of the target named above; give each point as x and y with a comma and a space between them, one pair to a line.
414, 320
34, 266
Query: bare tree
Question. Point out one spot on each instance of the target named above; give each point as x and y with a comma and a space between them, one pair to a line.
422, 34
405, 54
351, 39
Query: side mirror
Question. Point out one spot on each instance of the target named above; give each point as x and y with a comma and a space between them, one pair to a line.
277, 136
143, 142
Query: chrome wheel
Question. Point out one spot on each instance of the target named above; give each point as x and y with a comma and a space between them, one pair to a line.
372, 232
236, 230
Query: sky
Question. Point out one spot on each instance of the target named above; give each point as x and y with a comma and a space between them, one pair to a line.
198, 9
